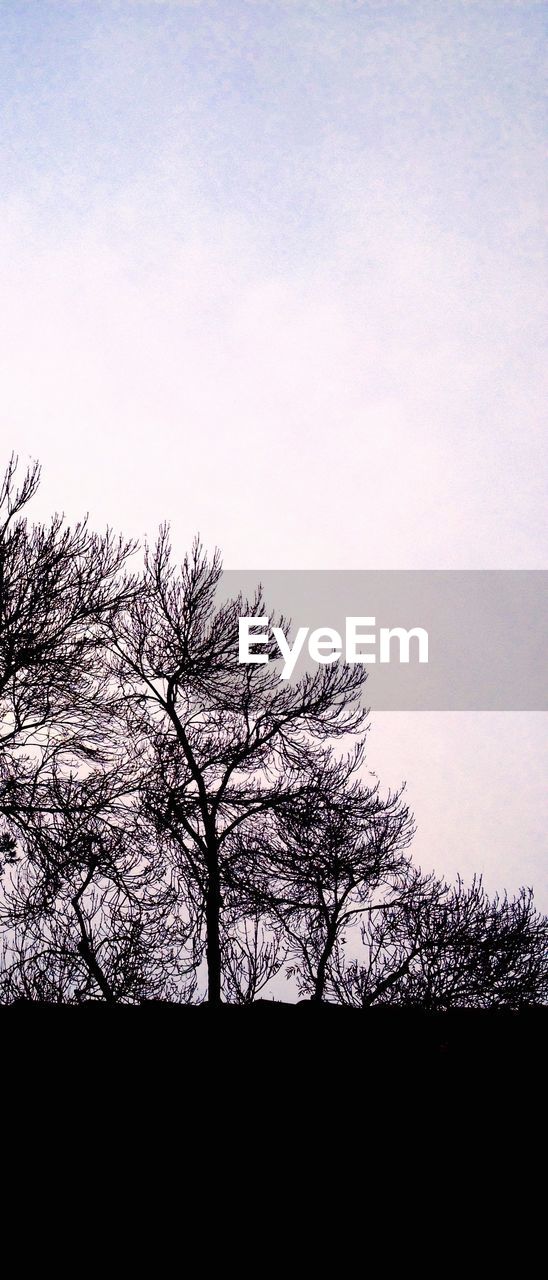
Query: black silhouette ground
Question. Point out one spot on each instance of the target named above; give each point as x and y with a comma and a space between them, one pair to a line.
275, 1110
271, 1038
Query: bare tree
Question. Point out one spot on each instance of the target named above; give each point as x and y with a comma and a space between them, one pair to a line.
161, 802
253, 952
57, 587
333, 855
88, 910
446, 946
226, 741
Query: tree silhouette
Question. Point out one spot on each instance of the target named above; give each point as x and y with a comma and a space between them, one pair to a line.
163, 805
444, 946
89, 909
57, 585
226, 741
327, 858
253, 951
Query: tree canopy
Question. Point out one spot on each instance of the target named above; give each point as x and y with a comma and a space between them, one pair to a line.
177, 825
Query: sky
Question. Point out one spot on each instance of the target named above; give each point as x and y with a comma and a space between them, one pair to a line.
275, 272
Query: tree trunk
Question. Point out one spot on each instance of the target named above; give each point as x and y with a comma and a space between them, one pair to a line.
87, 954
85, 946
213, 944
321, 974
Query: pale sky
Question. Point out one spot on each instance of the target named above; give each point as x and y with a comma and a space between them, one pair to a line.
276, 272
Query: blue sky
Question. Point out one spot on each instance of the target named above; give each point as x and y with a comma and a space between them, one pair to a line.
332, 213
261, 99
276, 273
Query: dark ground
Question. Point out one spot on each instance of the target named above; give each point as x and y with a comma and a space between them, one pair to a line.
299, 1042
279, 1112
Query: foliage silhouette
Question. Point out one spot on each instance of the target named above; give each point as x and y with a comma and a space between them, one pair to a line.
176, 825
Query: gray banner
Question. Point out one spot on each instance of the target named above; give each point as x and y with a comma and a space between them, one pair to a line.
486, 631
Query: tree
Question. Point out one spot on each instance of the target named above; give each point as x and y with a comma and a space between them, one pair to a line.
57, 585
444, 946
88, 909
58, 726
253, 952
225, 742
335, 854
161, 802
